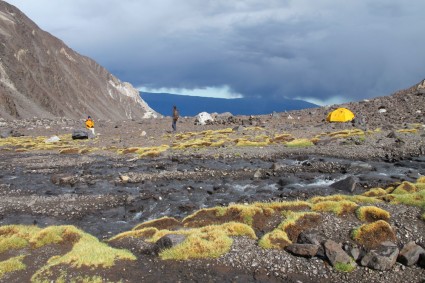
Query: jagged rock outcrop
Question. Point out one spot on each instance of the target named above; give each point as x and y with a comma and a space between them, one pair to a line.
42, 77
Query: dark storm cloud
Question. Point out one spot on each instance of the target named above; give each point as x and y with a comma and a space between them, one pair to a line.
326, 50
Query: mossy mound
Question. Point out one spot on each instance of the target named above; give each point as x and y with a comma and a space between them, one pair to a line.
238, 213
375, 192
81, 251
338, 207
373, 234
289, 229
299, 143
372, 213
169, 223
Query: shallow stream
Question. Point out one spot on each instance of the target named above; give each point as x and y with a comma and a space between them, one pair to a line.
92, 196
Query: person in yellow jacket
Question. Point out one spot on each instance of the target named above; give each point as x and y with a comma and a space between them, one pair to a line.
90, 124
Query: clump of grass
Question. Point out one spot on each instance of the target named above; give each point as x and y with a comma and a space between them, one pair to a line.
375, 192
128, 150
254, 129
13, 237
279, 238
87, 251
406, 131
282, 138
11, 265
152, 151
72, 150
192, 144
356, 198
413, 199
338, 207
285, 205
347, 133
206, 242
373, 234
238, 213
421, 180
372, 213
299, 143
345, 267
246, 142
139, 233
161, 223
405, 188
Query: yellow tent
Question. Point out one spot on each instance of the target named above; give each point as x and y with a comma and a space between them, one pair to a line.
340, 115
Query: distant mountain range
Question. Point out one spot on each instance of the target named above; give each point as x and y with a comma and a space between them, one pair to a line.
193, 105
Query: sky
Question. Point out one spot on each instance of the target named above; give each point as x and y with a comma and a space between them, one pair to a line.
322, 51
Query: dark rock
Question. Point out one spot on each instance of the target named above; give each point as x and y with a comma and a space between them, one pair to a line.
10, 133
167, 242
310, 237
336, 254
410, 253
80, 134
347, 184
6, 133
421, 261
381, 258
305, 250
354, 251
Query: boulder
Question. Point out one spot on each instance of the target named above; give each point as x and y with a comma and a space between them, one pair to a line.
409, 254
347, 184
80, 134
335, 254
354, 251
10, 133
381, 258
304, 250
310, 237
6, 133
167, 242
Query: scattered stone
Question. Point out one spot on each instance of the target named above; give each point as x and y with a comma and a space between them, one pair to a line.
167, 242
335, 254
310, 237
305, 250
410, 253
80, 134
347, 184
258, 174
381, 258
124, 178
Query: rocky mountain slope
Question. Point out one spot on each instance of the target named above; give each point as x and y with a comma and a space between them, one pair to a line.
41, 77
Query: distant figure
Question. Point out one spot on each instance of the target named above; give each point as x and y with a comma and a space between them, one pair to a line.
175, 118
90, 124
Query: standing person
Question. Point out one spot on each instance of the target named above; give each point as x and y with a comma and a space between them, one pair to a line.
90, 124
175, 118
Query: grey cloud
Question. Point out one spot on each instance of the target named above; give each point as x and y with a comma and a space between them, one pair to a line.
321, 49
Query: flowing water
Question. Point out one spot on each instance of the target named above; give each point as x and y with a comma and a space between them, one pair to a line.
92, 196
